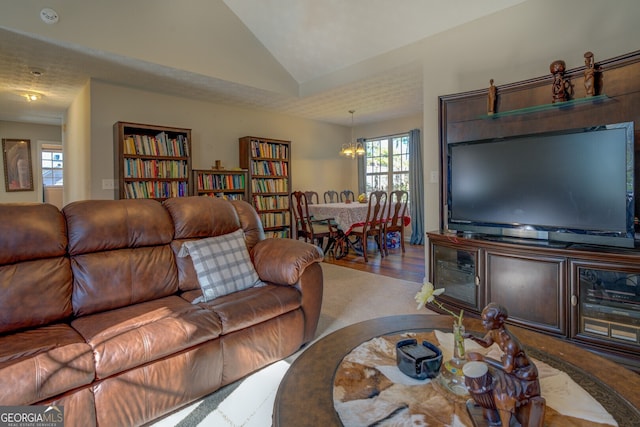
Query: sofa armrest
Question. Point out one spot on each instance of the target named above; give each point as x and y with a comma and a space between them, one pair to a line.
282, 261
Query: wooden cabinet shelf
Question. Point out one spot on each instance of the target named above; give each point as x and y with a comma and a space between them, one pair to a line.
269, 181
577, 293
152, 161
227, 184
554, 287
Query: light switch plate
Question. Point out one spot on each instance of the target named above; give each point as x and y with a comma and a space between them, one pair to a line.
108, 184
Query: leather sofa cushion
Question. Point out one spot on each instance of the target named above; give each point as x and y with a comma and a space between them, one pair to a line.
79, 407
250, 223
187, 276
35, 275
249, 307
114, 279
34, 293
197, 216
138, 396
102, 225
255, 347
31, 231
131, 336
44, 362
293, 257
120, 253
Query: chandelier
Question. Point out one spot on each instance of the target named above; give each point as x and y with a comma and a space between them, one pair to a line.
353, 148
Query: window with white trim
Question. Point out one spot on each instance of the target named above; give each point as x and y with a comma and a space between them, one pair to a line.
52, 165
387, 163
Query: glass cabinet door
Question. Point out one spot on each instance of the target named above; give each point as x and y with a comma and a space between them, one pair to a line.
454, 270
609, 304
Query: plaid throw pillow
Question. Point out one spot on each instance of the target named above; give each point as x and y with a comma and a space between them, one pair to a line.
222, 264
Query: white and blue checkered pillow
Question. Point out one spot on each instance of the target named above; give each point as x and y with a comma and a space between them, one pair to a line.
222, 264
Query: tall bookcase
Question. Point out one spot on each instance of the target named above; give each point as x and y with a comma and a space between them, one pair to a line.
268, 164
152, 162
228, 184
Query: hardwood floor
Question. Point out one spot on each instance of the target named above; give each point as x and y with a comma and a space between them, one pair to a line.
409, 266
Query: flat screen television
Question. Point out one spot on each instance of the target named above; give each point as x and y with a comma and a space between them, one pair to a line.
574, 186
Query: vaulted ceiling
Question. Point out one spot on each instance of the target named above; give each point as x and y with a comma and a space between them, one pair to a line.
318, 59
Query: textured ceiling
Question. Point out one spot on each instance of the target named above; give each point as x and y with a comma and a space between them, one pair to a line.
311, 39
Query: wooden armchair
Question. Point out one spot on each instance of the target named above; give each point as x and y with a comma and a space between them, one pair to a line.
312, 230
396, 217
374, 225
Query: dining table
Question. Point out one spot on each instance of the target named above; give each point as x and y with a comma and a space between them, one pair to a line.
345, 216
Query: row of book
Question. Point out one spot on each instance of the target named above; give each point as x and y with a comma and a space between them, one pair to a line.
276, 219
160, 145
269, 150
226, 196
270, 185
265, 167
156, 189
263, 203
138, 168
221, 182
282, 234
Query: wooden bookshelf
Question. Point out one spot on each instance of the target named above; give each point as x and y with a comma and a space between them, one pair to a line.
268, 164
228, 184
152, 162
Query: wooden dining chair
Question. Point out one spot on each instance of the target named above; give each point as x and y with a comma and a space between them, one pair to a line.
396, 216
347, 195
312, 230
331, 196
312, 197
374, 224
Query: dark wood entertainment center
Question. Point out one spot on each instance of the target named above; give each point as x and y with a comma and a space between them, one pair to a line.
554, 288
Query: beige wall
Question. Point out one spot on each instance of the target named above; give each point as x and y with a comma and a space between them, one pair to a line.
77, 148
88, 138
35, 133
215, 132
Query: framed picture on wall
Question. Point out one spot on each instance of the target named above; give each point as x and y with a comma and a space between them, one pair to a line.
18, 172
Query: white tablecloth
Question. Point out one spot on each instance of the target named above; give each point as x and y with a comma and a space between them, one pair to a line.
345, 214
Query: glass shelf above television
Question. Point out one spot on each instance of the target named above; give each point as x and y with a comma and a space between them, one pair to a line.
547, 107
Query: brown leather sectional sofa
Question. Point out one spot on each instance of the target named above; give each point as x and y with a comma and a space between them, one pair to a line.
96, 308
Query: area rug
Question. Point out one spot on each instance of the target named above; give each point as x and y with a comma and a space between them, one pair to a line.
350, 296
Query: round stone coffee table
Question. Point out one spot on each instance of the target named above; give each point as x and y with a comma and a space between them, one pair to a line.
305, 395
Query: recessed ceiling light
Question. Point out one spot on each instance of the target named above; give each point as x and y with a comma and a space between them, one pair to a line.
36, 72
49, 16
32, 96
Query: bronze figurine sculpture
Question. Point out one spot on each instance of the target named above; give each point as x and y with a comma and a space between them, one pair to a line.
589, 74
557, 68
491, 98
511, 386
